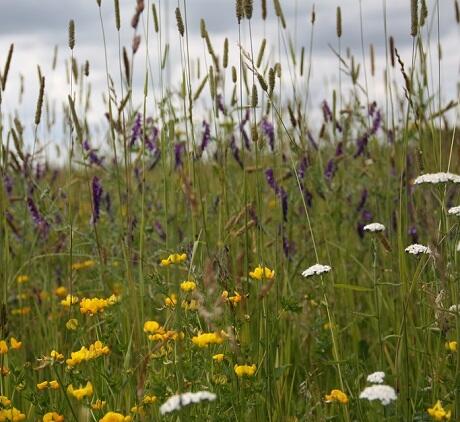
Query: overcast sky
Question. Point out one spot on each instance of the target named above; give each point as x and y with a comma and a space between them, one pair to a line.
35, 27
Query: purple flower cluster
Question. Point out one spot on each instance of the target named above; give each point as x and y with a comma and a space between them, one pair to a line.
235, 151
206, 138
178, 150
96, 190
91, 154
244, 134
362, 141
279, 191
136, 131
269, 131
40, 222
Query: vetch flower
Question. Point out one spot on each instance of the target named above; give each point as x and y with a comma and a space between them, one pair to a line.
245, 370
316, 269
376, 377
436, 178
384, 393
336, 396
178, 401
438, 413
374, 227
262, 273
416, 249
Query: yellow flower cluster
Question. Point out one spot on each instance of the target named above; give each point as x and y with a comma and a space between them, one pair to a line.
451, 346
262, 273
21, 279
69, 300
438, 413
60, 291
245, 370
98, 404
53, 417
336, 395
96, 305
56, 356
232, 299
79, 393
11, 414
188, 286
158, 333
89, 263
171, 300
219, 357
14, 344
115, 417
173, 259
95, 350
205, 339
54, 385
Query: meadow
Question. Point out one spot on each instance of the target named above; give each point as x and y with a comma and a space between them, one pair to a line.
228, 257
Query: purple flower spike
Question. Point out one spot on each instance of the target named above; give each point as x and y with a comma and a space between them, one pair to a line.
330, 170
97, 191
206, 136
42, 225
236, 151
178, 149
269, 131
136, 130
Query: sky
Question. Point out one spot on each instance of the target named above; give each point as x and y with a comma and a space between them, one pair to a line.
36, 28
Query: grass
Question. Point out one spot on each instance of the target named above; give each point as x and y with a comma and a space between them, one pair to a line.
96, 244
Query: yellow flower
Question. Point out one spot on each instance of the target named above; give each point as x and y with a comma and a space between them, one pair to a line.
205, 339
171, 301
16, 345
95, 350
138, 410
12, 414
235, 299
173, 259
5, 401
3, 347
54, 385
219, 357
89, 263
151, 326
81, 392
42, 385
94, 305
69, 300
260, 273
149, 399
115, 417
438, 413
190, 305
451, 346
336, 395
21, 279
242, 370
56, 356
98, 404
53, 417
71, 324
188, 286
60, 291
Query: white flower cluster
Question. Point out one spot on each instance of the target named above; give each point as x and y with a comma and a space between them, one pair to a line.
376, 377
316, 269
178, 401
384, 393
416, 249
454, 211
378, 391
454, 308
374, 227
435, 178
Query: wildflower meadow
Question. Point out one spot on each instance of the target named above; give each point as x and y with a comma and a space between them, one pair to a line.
213, 237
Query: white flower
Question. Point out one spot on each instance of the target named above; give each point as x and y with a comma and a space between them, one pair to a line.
316, 269
384, 393
376, 377
374, 227
178, 401
417, 249
454, 211
436, 178
454, 308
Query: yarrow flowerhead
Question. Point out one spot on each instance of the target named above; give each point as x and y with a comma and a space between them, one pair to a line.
435, 178
454, 211
384, 393
245, 370
374, 227
376, 377
416, 249
316, 269
262, 273
336, 396
438, 413
178, 401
